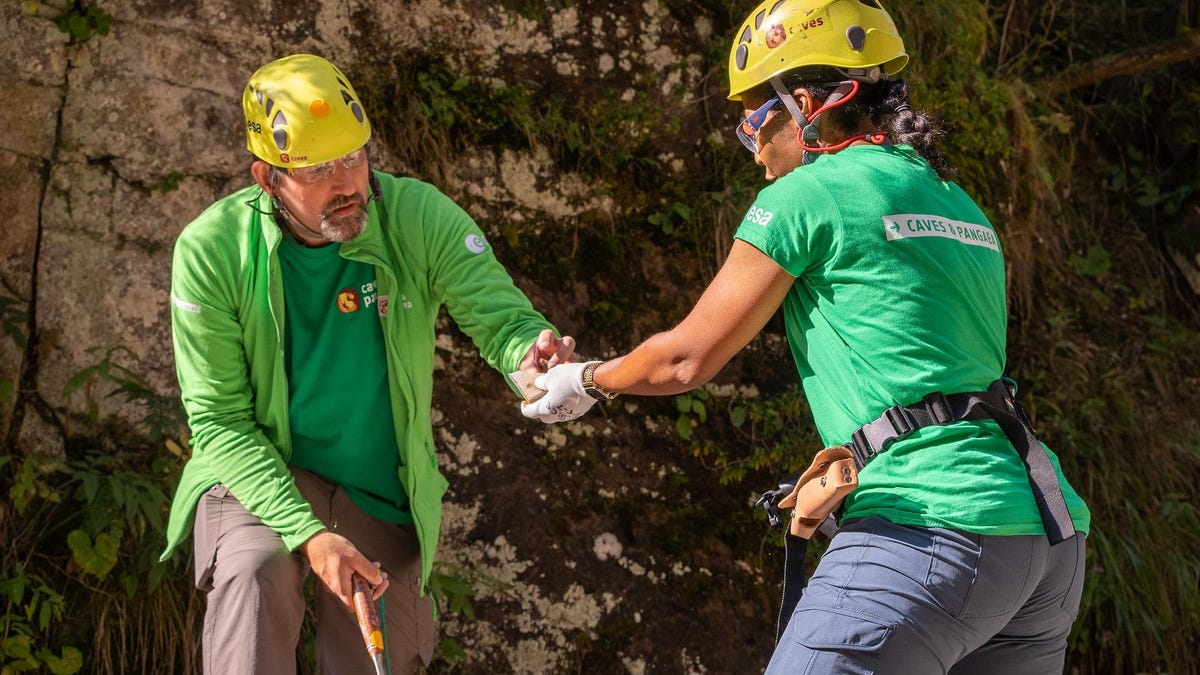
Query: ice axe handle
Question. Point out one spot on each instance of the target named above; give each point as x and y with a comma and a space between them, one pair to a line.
368, 623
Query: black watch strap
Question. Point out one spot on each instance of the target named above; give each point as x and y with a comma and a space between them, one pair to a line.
589, 385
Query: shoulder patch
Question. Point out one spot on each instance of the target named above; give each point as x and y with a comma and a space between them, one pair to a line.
475, 243
185, 305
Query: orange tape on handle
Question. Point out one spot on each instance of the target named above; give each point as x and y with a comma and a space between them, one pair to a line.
368, 619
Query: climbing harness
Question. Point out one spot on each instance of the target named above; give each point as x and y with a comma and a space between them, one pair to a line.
997, 403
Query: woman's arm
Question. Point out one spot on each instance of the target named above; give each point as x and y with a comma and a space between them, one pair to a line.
743, 296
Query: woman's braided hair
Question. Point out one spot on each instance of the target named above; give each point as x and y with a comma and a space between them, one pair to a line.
887, 105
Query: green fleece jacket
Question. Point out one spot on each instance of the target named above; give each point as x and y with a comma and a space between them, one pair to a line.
227, 320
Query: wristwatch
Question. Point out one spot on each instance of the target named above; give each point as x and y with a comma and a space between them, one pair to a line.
594, 390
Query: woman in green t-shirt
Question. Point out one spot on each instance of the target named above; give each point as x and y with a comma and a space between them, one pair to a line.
961, 549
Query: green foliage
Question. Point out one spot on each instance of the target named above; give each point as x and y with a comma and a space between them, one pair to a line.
169, 183
30, 482
692, 412
80, 20
163, 416
751, 437
1096, 263
1147, 186
82, 551
600, 134
1121, 414
13, 320
452, 586
20, 656
64, 554
95, 558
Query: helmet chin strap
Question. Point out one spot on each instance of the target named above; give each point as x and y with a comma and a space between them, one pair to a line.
291, 221
810, 132
789, 101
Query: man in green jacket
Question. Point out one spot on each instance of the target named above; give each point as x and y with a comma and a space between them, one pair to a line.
303, 316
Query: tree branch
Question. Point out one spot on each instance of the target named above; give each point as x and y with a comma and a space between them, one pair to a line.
1133, 62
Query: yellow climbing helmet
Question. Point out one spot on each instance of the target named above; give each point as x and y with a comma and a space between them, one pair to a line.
301, 111
856, 36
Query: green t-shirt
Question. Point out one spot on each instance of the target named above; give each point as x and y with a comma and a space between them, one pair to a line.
339, 407
899, 293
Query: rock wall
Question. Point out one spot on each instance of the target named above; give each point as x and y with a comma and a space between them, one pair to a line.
114, 142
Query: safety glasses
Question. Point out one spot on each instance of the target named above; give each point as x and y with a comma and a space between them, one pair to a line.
747, 130
324, 171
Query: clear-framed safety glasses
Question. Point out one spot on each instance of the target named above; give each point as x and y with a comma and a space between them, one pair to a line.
324, 171
747, 129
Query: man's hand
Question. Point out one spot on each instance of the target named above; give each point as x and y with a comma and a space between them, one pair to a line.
335, 560
565, 398
548, 351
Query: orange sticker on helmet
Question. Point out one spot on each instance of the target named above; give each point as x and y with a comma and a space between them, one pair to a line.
347, 301
776, 35
319, 109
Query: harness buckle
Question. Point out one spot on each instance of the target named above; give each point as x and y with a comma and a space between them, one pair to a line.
902, 421
1007, 388
873, 438
939, 408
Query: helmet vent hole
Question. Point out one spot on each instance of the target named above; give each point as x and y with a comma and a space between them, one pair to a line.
746, 35
279, 120
871, 3
776, 6
281, 138
857, 37
740, 56
758, 19
270, 107
358, 112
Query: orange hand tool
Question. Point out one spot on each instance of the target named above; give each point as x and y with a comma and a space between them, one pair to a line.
368, 623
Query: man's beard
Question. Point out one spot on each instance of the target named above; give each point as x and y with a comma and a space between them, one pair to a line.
345, 228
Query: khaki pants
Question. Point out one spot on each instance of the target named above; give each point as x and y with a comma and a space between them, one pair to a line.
255, 589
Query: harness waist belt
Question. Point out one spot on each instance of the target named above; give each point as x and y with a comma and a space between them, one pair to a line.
999, 404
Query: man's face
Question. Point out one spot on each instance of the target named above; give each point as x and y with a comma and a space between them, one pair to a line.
330, 198
779, 150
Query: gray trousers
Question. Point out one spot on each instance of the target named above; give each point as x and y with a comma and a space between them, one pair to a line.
255, 589
889, 598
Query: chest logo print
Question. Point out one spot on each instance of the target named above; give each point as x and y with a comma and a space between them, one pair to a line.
347, 301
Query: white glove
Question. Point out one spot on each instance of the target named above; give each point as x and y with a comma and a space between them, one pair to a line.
565, 398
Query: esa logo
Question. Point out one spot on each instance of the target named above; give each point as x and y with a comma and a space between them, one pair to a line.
253, 127
758, 216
